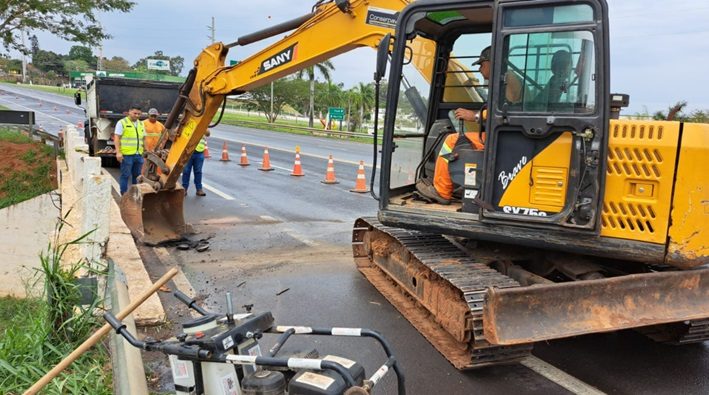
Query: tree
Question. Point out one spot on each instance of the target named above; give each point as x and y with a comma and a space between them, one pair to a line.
674, 113
79, 52
34, 45
48, 61
362, 97
75, 65
324, 68
176, 63
285, 91
116, 63
329, 94
75, 21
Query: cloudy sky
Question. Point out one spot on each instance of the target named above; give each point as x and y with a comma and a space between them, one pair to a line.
659, 48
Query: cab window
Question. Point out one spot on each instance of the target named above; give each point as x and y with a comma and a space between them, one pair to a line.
463, 81
549, 72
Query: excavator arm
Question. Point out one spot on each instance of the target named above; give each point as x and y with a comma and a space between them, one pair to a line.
153, 208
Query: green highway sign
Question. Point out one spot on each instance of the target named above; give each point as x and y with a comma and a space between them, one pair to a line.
336, 113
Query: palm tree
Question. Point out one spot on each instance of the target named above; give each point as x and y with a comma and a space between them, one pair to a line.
363, 98
329, 94
324, 69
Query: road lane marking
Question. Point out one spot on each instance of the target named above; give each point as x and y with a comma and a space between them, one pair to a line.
32, 109
217, 192
290, 151
560, 377
292, 233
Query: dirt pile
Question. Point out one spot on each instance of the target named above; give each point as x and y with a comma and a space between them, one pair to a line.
27, 169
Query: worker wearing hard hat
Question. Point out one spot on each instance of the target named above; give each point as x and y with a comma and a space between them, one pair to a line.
153, 129
441, 190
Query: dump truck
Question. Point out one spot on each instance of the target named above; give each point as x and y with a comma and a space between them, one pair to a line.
569, 221
108, 100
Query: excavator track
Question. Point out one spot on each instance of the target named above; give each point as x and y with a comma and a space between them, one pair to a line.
437, 287
678, 333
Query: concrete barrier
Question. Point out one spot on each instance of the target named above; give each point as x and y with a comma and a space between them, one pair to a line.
89, 208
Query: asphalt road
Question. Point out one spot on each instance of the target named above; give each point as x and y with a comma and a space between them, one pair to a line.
272, 233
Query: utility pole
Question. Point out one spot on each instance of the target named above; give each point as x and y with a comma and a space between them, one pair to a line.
24, 59
99, 62
212, 33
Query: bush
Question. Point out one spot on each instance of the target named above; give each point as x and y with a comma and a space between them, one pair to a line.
37, 333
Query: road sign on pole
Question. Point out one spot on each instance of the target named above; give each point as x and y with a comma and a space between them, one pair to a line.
336, 113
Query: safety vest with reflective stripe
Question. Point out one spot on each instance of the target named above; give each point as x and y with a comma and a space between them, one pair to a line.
202, 144
132, 139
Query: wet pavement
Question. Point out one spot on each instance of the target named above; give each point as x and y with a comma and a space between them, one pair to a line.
273, 232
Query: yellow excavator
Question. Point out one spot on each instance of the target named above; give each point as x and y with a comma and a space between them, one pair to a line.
569, 221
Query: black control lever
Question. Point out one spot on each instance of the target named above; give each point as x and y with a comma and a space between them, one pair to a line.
189, 302
170, 348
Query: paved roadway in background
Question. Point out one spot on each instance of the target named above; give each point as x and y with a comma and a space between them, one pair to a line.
273, 232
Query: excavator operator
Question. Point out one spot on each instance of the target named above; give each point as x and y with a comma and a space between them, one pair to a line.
442, 188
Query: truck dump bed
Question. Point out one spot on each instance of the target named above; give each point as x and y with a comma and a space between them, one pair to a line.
111, 97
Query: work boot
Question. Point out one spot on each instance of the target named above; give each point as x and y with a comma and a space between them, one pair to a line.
426, 189
201, 193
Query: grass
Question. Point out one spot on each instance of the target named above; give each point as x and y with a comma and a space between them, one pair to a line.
33, 179
37, 333
51, 89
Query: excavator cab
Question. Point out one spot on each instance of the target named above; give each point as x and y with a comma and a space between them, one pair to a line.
540, 166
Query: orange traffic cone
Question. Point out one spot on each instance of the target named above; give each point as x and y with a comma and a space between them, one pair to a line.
225, 153
244, 159
266, 163
330, 174
297, 169
361, 184
206, 151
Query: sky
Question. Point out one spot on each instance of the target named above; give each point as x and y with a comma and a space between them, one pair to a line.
659, 48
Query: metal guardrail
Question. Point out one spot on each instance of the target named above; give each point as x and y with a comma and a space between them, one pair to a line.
312, 131
23, 121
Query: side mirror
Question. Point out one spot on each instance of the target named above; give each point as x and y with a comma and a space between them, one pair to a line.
382, 57
77, 98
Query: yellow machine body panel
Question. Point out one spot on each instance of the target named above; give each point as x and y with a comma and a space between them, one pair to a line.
639, 180
542, 182
689, 232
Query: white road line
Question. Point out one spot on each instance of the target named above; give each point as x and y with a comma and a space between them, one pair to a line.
560, 377
218, 192
32, 109
291, 151
292, 233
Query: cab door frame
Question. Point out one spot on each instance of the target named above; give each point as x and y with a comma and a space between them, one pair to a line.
587, 167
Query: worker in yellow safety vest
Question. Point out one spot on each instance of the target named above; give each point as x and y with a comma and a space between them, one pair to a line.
129, 140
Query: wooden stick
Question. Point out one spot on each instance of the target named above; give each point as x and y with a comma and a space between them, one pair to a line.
91, 341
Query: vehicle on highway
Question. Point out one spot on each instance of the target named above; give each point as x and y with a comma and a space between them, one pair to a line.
569, 221
108, 99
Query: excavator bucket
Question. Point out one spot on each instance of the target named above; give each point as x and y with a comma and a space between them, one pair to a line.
153, 217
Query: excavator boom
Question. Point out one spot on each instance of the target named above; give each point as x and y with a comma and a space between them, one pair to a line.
153, 208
